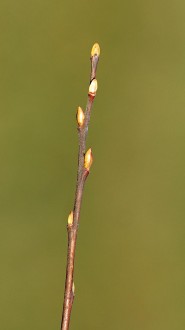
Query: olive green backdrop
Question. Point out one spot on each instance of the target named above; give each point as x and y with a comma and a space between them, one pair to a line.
130, 266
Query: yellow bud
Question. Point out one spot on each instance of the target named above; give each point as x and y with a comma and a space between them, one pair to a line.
93, 87
95, 50
88, 159
70, 219
80, 117
73, 289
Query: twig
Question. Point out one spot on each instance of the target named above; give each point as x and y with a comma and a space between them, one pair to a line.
84, 164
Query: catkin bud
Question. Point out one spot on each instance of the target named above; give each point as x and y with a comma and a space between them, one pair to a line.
80, 117
95, 50
88, 159
93, 87
70, 219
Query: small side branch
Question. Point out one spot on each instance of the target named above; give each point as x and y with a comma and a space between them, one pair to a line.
84, 163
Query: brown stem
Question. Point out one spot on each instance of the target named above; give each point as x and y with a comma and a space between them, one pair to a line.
82, 174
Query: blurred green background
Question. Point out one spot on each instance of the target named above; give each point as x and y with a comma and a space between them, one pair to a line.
130, 262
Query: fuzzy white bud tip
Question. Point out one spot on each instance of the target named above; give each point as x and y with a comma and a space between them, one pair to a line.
93, 87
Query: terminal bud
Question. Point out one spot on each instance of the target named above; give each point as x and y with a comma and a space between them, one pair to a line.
95, 50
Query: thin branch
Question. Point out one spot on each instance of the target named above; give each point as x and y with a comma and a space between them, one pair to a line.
84, 164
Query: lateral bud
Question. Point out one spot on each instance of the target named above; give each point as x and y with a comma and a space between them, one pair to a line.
73, 289
80, 117
70, 219
88, 159
93, 87
95, 50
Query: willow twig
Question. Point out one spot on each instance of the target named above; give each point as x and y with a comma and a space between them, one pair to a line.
84, 164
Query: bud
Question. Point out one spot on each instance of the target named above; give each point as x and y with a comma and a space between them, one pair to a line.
73, 289
80, 117
88, 159
93, 87
70, 219
95, 50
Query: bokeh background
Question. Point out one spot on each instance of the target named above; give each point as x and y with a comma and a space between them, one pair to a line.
130, 262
